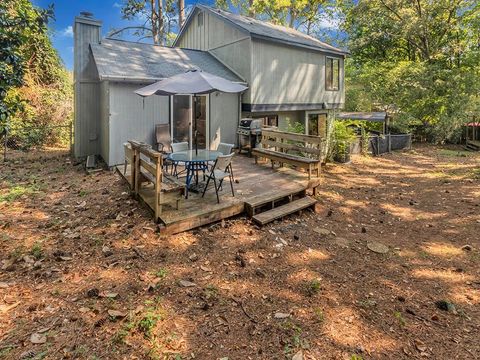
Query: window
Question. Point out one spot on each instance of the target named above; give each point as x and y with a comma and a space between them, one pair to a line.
332, 74
200, 19
269, 120
317, 125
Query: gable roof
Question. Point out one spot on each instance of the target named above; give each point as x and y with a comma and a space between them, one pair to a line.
266, 31
132, 61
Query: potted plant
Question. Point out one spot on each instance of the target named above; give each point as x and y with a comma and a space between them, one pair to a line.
343, 137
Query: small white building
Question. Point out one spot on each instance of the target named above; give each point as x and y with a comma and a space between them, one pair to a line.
292, 78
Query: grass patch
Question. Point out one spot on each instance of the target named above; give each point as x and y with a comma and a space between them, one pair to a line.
161, 273
14, 192
37, 251
474, 174
454, 153
313, 287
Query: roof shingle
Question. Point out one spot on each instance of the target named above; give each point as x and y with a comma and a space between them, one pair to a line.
124, 60
272, 32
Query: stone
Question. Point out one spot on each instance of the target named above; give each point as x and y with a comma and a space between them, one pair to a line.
280, 315
117, 314
342, 242
193, 257
186, 283
37, 338
467, 247
298, 356
377, 247
260, 273
8, 265
106, 251
322, 231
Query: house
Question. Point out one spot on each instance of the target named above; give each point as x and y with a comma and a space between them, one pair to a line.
292, 78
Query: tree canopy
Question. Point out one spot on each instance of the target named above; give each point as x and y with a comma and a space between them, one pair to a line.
35, 88
418, 59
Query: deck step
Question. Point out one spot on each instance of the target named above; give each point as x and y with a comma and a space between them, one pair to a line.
270, 198
284, 210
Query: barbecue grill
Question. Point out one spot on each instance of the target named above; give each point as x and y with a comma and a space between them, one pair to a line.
249, 132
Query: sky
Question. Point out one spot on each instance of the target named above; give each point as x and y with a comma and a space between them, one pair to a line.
108, 11
65, 11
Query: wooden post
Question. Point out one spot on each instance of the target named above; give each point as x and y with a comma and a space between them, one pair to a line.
158, 187
136, 174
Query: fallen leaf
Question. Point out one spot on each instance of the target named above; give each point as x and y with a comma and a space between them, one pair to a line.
111, 295
6, 308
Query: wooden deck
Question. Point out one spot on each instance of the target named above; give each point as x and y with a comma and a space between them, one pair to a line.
254, 182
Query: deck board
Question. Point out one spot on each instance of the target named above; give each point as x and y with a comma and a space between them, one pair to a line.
253, 181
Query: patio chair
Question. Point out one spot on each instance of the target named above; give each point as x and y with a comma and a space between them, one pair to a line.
176, 147
221, 169
163, 139
225, 148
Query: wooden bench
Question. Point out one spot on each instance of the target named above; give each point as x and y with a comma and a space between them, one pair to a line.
148, 168
301, 151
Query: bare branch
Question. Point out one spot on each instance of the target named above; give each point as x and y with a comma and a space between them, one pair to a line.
116, 32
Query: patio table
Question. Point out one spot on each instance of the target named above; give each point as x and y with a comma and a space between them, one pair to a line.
194, 161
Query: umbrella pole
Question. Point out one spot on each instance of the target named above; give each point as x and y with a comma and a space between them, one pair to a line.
195, 123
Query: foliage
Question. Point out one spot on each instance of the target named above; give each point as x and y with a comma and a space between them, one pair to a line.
35, 89
342, 138
17, 191
296, 127
300, 14
160, 16
418, 60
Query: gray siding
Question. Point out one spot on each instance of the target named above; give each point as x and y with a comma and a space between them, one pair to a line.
212, 34
224, 117
86, 89
228, 44
288, 75
132, 117
104, 120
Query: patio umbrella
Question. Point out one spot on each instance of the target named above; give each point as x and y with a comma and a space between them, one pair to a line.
192, 82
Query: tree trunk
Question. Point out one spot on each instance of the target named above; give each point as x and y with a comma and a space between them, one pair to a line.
251, 12
181, 13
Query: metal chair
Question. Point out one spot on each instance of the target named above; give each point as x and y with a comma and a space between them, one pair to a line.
177, 147
220, 170
164, 141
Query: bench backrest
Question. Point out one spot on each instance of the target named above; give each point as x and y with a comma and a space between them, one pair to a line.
308, 145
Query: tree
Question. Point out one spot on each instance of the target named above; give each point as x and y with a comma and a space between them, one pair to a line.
35, 89
292, 13
159, 18
419, 59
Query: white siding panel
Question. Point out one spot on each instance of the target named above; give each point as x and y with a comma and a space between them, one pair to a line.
132, 117
288, 75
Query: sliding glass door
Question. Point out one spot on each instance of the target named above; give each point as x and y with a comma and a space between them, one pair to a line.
183, 126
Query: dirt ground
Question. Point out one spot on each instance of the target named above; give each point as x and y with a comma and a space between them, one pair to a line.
387, 268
